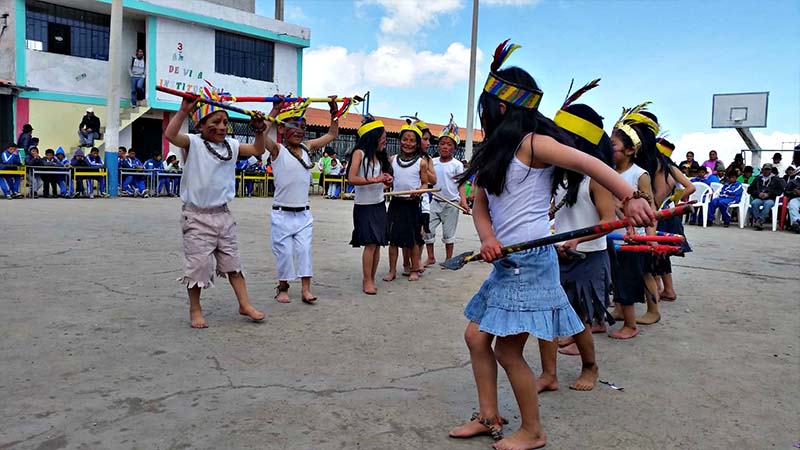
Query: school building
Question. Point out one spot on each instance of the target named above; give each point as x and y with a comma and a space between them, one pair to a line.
54, 63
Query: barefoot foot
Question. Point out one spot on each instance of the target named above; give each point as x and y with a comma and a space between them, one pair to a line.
624, 333
369, 288
668, 296
198, 321
648, 318
282, 292
587, 379
479, 427
430, 262
570, 349
414, 276
390, 276
308, 297
564, 342
546, 383
254, 314
599, 328
521, 440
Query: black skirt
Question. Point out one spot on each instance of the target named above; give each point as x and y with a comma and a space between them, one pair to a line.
587, 283
627, 270
405, 223
661, 264
370, 225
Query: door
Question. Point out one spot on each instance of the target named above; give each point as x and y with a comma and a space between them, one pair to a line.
147, 138
7, 126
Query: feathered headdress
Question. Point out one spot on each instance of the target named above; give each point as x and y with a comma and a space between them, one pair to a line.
416, 121
633, 116
204, 109
368, 124
451, 131
295, 110
665, 147
410, 126
578, 125
504, 90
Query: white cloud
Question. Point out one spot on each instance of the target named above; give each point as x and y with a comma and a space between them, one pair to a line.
295, 14
408, 17
727, 143
329, 70
511, 2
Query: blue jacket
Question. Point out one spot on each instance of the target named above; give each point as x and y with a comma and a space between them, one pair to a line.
134, 163
25, 141
256, 168
732, 190
64, 162
152, 163
10, 159
98, 162
241, 164
122, 163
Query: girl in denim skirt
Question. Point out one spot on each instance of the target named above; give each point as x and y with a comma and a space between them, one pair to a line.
513, 171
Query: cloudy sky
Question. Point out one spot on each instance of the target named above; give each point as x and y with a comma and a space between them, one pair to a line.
413, 56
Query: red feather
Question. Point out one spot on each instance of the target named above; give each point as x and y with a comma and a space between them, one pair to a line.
498, 56
586, 88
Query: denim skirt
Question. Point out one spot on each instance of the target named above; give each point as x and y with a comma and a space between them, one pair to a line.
523, 294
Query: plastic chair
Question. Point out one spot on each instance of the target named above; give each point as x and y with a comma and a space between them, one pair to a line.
776, 208
702, 195
743, 206
716, 187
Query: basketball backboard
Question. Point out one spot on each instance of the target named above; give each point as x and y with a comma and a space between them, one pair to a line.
746, 110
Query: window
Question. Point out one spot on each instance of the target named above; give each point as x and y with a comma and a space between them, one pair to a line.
244, 57
67, 31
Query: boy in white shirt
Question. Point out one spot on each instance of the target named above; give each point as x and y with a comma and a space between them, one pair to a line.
447, 169
291, 225
209, 228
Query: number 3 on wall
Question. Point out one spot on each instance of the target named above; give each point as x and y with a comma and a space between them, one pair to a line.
180, 46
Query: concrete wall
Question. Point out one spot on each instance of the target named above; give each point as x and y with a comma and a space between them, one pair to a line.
244, 5
83, 76
185, 57
7, 42
56, 123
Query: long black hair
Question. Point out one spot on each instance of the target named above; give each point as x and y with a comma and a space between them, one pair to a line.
569, 179
504, 132
368, 143
652, 159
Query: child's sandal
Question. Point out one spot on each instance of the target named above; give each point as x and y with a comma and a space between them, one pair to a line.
494, 425
281, 287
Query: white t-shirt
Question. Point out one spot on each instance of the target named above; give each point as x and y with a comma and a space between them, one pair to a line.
580, 215
406, 178
445, 178
369, 194
520, 213
291, 179
207, 180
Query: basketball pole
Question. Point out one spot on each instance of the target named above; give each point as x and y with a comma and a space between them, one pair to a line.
752, 145
473, 53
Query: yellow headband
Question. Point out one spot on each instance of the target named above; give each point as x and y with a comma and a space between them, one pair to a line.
641, 118
367, 127
664, 149
407, 127
631, 133
579, 126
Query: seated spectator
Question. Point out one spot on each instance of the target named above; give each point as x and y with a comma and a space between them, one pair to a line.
747, 176
711, 162
135, 185
89, 129
792, 192
155, 165
776, 162
255, 167
788, 174
720, 171
730, 193
704, 177
241, 167
737, 165
334, 170
763, 193
79, 160
170, 184
10, 183
777, 175
33, 159
690, 164
94, 160
50, 180
61, 157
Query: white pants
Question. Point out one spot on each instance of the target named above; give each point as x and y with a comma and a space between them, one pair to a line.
445, 215
291, 243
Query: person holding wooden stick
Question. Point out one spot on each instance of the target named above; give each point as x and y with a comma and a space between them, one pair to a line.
442, 211
513, 170
410, 171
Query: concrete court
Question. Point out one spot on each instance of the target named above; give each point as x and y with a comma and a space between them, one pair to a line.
96, 351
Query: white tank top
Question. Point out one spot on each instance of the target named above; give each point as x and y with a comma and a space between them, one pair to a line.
369, 194
291, 179
406, 178
580, 215
207, 180
520, 213
631, 176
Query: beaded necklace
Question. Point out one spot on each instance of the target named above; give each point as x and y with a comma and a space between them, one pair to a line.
214, 152
402, 163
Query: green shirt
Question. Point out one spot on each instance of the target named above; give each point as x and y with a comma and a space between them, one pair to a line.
750, 181
326, 164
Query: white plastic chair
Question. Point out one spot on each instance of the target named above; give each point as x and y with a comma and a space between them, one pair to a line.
743, 206
702, 195
776, 211
716, 187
